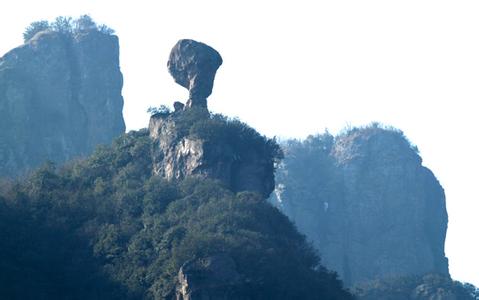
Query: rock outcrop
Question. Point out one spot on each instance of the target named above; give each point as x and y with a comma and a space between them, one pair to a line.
224, 150
367, 203
214, 278
193, 65
60, 96
178, 156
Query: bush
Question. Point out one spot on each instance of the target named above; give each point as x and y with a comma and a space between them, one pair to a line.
34, 28
84, 23
67, 26
218, 129
63, 25
161, 110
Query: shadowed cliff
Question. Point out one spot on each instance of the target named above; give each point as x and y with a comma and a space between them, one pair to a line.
60, 96
366, 202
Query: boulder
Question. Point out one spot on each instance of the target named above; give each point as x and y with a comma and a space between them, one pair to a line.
193, 65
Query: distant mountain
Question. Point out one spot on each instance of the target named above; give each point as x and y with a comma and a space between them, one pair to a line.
367, 203
60, 94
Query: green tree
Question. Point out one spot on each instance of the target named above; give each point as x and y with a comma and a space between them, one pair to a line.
34, 28
63, 25
84, 23
106, 30
161, 110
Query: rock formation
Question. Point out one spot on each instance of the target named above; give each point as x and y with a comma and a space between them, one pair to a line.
177, 157
193, 65
60, 96
367, 203
179, 154
214, 278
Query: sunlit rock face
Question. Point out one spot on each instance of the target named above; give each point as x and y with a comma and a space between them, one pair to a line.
60, 96
367, 203
193, 65
178, 157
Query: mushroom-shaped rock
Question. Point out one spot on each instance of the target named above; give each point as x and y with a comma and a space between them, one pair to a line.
193, 65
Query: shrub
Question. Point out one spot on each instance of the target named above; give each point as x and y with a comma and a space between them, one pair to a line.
63, 25
66, 25
161, 110
34, 28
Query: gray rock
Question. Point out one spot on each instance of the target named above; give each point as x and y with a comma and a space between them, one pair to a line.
214, 278
59, 98
193, 65
178, 106
177, 157
368, 204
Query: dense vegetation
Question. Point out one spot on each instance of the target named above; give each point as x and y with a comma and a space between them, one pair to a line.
309, 171
199, 123
219, 128
104, 228
430, 286
65, 25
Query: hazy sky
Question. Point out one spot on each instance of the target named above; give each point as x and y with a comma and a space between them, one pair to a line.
293, 68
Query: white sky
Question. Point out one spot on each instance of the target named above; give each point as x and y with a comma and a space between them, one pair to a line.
293, 68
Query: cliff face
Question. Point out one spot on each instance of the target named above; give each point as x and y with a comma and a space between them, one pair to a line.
372, 210
60, 96
177, 157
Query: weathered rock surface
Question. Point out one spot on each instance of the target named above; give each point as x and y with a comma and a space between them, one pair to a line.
193, 65
214, 278
60, 96
367, 203
177, 157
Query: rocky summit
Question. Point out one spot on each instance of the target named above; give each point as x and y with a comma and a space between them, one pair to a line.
184, 143
60, 96
177, 156
367, 202
193, 65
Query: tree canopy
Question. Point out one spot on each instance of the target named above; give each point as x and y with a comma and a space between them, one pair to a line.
67, 26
